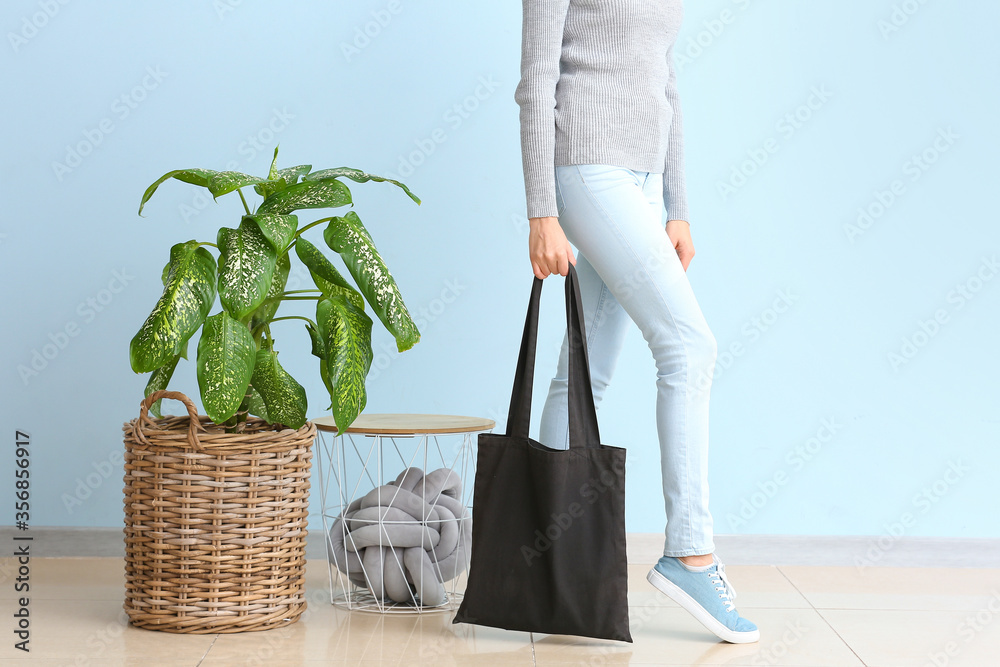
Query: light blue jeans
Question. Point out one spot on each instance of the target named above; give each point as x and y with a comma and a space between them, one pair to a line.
629, 271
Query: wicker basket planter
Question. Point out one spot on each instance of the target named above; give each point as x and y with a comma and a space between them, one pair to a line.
215, 522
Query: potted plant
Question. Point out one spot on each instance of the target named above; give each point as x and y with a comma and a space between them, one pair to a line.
237, 363
216, 505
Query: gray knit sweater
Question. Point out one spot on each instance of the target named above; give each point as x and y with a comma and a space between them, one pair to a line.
598, 87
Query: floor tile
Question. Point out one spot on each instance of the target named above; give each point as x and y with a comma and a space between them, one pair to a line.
229, 662
895, 587
70, 578
96, 632
885, 616
438, 641
671, 636
339, 635
105, 661
912, 638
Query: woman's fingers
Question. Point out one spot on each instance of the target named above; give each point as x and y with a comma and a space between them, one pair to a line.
562, 265
548, 248
569, 255
686, 254
679, 232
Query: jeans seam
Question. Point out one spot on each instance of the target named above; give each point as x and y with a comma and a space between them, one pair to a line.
687, 395
673, 322
694, 551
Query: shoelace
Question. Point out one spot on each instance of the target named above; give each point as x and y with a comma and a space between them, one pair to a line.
722, 585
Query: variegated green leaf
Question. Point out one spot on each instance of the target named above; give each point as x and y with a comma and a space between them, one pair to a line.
348, 236
291, 175
273, 183
318, 348
359, 177
326, 381
327, 193
272, 173
200, 177
279, 230
346, 333
329, 289
226, 356
256, 406
225, 182
187, 297
266, 311
159, 379
184, 348
282, 179
324, 274
246, 268
284, 397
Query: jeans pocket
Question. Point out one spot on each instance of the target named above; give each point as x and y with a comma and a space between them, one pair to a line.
602, 177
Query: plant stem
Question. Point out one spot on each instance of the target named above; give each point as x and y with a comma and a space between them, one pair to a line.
284, 297
208, 243
311, 225
237, 423
300, 291
257, 332
243, 199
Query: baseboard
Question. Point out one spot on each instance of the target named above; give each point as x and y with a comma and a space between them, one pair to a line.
836, 550
850, 550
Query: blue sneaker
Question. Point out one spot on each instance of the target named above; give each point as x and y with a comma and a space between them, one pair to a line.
707, 594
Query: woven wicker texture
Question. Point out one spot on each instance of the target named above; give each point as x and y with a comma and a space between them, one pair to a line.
215, 522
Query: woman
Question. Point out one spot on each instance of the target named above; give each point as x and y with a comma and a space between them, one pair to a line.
602, 148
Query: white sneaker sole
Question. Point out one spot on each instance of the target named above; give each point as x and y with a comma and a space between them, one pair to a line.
677, 594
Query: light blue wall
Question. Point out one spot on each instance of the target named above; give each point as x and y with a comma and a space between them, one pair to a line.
813, 307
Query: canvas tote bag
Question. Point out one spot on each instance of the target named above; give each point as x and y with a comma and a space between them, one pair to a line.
548, 525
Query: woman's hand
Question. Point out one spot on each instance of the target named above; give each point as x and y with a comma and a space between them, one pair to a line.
549, 248
679, 232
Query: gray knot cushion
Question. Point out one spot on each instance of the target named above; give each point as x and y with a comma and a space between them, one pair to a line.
424, 539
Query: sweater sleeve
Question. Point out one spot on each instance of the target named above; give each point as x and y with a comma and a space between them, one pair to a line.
674, 187
541, 47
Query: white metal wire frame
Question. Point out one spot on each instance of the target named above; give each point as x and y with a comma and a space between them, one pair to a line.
348, 470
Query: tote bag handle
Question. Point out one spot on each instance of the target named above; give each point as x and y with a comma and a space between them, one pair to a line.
583, 430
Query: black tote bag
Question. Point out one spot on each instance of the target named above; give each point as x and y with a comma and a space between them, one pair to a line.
548, 536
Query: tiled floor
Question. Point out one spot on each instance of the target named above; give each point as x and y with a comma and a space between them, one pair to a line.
878, 616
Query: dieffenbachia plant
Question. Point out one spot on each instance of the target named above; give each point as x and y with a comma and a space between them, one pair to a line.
237, 364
